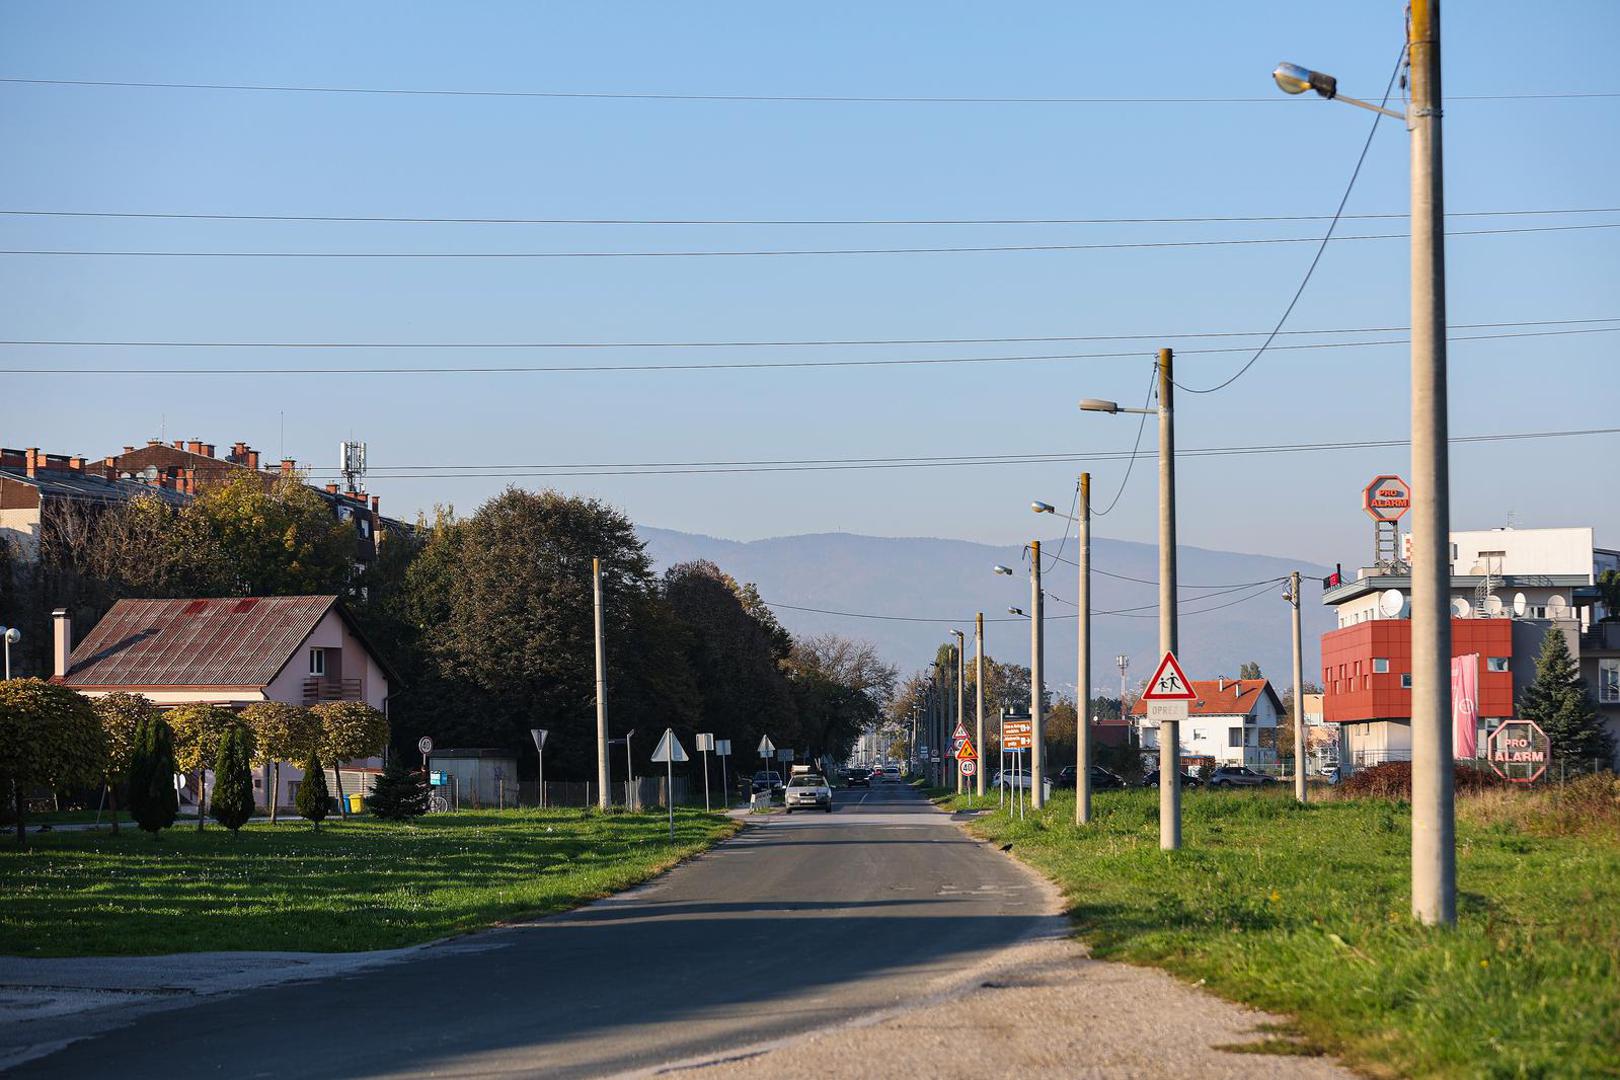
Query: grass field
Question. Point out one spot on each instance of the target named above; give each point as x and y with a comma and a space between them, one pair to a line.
1305, 911
360, 884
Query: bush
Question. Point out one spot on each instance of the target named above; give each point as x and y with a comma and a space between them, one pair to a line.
153, 802
1393, 780
50, 736
400, 792
313, 799
232, 804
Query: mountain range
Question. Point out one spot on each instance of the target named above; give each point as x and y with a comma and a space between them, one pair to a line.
905, 594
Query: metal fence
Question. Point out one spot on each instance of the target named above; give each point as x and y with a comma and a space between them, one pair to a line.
642, 793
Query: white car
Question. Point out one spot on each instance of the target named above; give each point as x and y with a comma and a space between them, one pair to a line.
808, 791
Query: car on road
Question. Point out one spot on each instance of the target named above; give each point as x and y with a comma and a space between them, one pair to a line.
891, 774
1188, 780
860, 777
808, 791
1010, 779
1239, 776
766, 780
1101, 779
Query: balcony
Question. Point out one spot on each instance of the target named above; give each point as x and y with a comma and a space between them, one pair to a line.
1603, 637
319, 690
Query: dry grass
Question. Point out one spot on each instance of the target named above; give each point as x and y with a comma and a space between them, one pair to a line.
1585, 806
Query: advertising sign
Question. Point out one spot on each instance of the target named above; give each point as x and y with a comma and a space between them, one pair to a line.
1518, 751
1465, 706
1017, 734
1387, 498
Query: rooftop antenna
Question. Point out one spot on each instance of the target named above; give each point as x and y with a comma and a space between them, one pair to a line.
353, 458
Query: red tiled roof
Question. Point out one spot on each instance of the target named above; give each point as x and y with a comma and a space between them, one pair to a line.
233, 641
1238, 697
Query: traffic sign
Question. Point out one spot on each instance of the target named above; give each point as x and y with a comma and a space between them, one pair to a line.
965, 752
968, 766
705, 741
1017, 734
722, 748
1169, 682
766, 747
538, 734
669, 749
1159, 712
960, 732
424, 745
1387, 498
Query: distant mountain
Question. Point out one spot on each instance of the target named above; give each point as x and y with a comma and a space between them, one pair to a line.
950, 580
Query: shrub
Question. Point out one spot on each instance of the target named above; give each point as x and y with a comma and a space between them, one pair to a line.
153, 802
313, 799
49, 736
400, 792
1393, 780
232, 804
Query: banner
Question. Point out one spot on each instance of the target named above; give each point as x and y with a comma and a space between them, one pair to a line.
1465, 706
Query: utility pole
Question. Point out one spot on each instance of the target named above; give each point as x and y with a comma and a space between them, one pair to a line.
1434, 841
1124, 662
1082, 718
1299, 696
603, 795
978, 702
961, 654
1037, 725
1169, 730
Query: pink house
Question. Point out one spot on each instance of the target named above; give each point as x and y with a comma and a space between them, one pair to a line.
230, 652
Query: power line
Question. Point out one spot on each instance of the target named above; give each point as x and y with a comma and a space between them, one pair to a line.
774, 252
835, 464
833, 99
762, 344
869, 221
739, 365
1136, 445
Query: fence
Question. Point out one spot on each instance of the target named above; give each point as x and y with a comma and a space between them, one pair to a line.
639, 794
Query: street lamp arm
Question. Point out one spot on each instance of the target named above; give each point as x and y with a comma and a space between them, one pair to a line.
1358, 103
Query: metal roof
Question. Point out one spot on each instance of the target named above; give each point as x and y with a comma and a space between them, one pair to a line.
78, 485
230, 641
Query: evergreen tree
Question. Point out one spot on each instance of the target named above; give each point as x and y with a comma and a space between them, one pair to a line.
1557, 700
232, 804
313, 800
400, 792
153, 802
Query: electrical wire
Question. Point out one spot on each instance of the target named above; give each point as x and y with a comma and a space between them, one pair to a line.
773, 252
1136, 446
836, 99
1321, 248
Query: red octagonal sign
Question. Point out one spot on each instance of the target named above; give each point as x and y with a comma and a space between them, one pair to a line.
1386, 498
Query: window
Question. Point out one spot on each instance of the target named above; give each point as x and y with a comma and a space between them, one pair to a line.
1380, 665
1234, 737
1609, 681
317, 662
1406, 681
1496, 663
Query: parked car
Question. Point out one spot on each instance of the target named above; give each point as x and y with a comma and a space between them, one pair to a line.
1010, 779
1188, 780
1101, 779
1239, 776
808, 791
766, 780
858, 778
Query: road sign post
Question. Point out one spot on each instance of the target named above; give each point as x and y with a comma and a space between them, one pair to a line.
705, 743
424, 746
722, 750
539, 737
669, 752
1167, 694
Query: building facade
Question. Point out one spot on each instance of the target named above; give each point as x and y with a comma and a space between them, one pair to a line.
1232, 722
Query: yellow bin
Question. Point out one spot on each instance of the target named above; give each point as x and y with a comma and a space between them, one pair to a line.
357, 803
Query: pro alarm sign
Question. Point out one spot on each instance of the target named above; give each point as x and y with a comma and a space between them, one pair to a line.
1387, 498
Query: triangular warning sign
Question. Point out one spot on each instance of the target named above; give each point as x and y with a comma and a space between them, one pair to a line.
669, 749
965, 752
960, 732
1169, 682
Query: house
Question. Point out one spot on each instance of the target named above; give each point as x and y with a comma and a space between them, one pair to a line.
45, 499
1232, 722
230, 652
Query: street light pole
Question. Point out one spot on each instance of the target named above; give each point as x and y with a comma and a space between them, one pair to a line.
978, 701
1037, 726
961, 654
1169, 730
1082, 717
1299, 696
601, 692
1434, 848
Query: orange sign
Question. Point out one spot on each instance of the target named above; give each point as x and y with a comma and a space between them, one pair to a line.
965, 752
1386, 498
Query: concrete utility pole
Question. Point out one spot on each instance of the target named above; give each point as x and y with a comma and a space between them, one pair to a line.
1037, 725
1082, 719
978, 702
961, 659
1434, 843
603, 795
1169, 730
1299, 696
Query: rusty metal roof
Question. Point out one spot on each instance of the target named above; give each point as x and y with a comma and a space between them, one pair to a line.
230, 641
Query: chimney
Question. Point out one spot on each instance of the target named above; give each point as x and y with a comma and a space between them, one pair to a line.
252, 459
154, 442
62, 632
375, 500
238, 454
331, 489
1221, 683
179, 444
187, 480
195, 446
207, 449
129, 449
76, 463
34, 461
288, 465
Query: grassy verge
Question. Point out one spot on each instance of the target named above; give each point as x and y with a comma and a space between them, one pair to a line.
1304, 911
360, 884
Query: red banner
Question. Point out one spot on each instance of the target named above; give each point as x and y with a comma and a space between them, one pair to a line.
1465, 706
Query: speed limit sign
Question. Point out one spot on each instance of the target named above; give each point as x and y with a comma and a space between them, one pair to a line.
424, 745
969, 767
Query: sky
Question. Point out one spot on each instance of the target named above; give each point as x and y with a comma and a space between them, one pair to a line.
141, 150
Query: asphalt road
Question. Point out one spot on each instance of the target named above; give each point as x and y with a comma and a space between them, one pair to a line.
796, 924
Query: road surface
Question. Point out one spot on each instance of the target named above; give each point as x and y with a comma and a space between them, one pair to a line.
797, 924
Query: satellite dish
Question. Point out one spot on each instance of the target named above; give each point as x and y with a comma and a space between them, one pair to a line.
1556, 606
1461, 609
1493, 606
1477, 570
1392, 603
150, 474
1521, 604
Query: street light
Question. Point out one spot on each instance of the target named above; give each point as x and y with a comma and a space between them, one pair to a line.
1293, 79
12, 635
1017, 611
1003, 569
1434, 839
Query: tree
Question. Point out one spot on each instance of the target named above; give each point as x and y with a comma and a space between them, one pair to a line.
1285, 722
153, 802
1608, 584
49, 736
232, 804
121, 716
349, 730
1556, 699
281, 732
197, 731
400, 794
313, 800
253, 541
1250, 669
841, 687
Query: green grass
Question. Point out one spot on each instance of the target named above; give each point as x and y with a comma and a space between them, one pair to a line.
1305, 911
361, 884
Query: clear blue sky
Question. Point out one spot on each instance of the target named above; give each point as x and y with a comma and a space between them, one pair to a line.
205, 151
